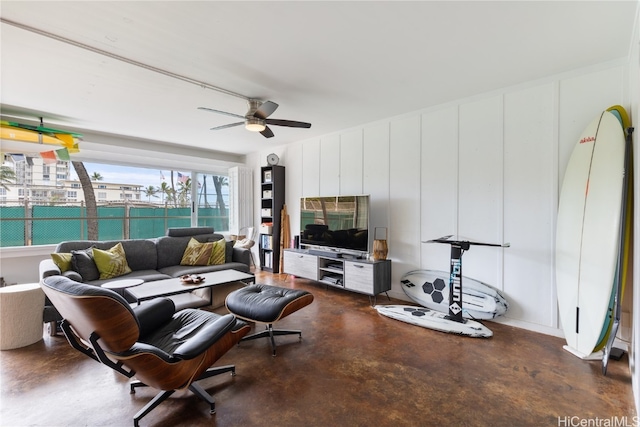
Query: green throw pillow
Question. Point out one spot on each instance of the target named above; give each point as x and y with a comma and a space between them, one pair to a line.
218, 254
112, 262
62, 261
196, 253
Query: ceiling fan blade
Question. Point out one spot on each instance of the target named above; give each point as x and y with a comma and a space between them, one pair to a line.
221, 112
267, 133
227, 126
288, 123
265, 110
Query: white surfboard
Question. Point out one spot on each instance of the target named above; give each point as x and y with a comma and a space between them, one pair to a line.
587, 234
431, 319
430, 288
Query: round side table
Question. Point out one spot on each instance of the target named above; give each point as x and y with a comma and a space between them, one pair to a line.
21, 308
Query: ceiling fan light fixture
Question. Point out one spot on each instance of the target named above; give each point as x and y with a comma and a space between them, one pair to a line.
254, 125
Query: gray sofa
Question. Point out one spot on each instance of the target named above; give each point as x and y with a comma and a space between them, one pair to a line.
156, 259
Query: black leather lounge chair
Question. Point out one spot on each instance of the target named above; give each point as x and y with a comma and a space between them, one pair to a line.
165, 350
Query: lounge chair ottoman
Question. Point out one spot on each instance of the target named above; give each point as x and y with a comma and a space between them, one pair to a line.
267, 304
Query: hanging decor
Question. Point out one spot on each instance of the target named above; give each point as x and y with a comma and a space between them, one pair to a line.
20, 138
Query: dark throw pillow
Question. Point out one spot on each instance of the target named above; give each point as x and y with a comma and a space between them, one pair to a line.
82, 262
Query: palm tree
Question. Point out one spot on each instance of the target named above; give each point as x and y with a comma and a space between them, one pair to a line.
96, 176
184, 192
7, 176
218, 183
204, 191
150, 191
165, 190
173, 191
90, 200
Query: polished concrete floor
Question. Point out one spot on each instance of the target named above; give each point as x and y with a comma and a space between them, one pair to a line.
353, 367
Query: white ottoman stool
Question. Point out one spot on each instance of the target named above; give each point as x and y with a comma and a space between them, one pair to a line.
21, 308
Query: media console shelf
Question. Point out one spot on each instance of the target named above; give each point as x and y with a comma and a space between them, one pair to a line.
356, 275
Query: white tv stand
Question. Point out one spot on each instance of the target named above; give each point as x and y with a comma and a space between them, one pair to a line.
352, 274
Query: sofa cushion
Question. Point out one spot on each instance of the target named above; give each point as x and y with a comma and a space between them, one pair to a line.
197, 253
112, 262
171, 249
82, 262
141, 253
179, 270
146, 275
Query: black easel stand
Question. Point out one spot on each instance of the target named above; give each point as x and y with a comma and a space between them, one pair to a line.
458, 247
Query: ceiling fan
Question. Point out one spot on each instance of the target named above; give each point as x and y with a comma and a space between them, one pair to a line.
256, 119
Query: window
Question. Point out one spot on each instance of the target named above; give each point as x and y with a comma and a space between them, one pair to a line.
132, 203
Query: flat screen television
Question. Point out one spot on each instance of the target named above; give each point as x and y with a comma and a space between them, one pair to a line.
340, 222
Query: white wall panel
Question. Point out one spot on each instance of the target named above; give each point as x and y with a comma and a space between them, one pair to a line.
330, 166
581, 99
376, 174
311, 167
404, 228
529, 205
439, 185
488, 168
351, 162
480, 187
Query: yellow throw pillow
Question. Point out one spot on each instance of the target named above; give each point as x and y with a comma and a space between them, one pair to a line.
197, 253
112, 262
218, 252
62, 261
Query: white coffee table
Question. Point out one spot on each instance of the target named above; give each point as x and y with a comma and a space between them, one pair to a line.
174, 287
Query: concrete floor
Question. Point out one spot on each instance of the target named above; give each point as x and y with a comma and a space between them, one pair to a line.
353, 367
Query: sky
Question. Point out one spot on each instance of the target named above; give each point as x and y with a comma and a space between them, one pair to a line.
128, 175
138, 176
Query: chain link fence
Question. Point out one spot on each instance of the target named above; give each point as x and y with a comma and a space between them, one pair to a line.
31, 224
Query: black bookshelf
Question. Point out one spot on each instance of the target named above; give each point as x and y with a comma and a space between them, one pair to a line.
271, 204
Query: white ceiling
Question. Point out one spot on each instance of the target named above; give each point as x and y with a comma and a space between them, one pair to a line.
333, 64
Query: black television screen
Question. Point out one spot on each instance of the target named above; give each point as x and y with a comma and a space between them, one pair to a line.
337, 222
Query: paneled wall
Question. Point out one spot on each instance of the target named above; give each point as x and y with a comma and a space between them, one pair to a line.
487, 168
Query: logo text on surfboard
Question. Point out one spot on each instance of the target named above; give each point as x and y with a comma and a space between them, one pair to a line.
587, 139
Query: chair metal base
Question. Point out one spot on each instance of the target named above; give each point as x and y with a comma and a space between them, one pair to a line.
194, 388
270, 333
